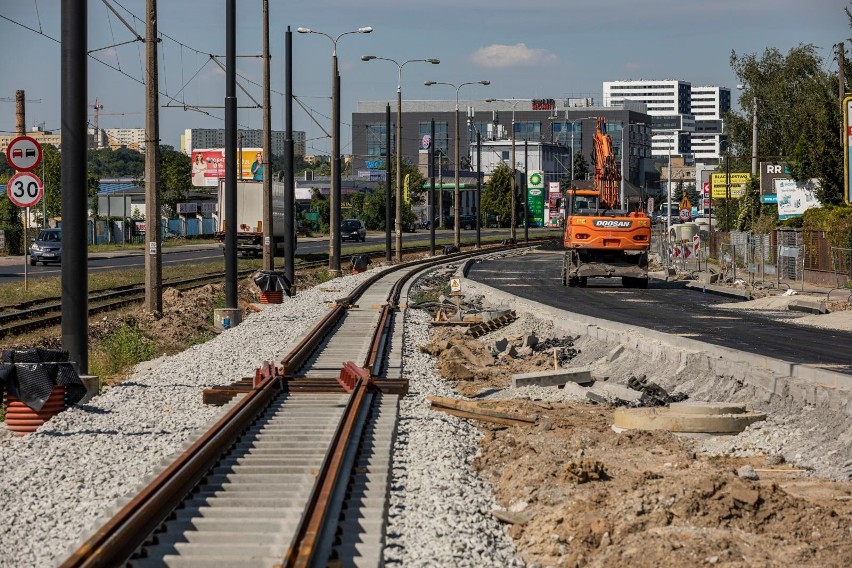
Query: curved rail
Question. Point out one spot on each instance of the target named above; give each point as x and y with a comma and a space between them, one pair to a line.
119, 538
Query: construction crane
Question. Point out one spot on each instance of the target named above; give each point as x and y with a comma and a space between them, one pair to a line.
97, 107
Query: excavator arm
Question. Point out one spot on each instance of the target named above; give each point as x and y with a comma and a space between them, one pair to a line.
607, 175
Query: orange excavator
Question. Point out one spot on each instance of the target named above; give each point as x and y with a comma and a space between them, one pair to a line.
602, 238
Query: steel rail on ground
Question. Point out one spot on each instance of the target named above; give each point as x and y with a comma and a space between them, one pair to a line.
123, 534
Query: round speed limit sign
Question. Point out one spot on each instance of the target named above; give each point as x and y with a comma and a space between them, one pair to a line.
24, 189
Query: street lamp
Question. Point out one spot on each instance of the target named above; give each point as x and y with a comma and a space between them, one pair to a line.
334, 222
398, 220
456, 195
513, 205
741, 87
572, 122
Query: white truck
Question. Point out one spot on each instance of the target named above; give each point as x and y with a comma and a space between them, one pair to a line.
250, 217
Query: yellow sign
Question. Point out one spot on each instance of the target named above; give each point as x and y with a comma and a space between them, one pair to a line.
455, 284
685, 204
718, 184
406, 189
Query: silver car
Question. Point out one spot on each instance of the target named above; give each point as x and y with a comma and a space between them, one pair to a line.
46, 247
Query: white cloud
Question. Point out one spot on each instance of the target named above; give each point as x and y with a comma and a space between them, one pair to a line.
497, 55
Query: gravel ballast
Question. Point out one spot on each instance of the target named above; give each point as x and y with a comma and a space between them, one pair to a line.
61, 480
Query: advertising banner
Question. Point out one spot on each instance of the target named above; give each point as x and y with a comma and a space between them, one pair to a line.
208, 166
718, 184
554, 194
794, 198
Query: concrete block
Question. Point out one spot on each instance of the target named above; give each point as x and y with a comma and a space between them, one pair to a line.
707, 277
93, 384
719, 290
234, 317
807, 305
553, 378
614, 353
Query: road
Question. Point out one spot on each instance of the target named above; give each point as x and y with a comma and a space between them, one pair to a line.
12, 269
669, 308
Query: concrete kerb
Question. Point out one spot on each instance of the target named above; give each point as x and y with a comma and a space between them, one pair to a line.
773, 377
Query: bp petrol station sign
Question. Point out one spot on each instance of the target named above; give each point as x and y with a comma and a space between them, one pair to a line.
535, 198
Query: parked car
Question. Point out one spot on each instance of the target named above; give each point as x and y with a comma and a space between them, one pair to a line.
353, 229
467, 222
46, 247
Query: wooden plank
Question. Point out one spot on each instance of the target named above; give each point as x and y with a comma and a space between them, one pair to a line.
481, 417
476, 410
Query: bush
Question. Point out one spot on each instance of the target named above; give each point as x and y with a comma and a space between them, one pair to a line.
120, 350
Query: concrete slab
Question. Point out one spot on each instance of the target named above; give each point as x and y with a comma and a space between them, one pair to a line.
807, 305
673, 421
558, 377
718, 290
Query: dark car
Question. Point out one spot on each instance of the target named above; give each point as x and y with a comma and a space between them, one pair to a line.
46, 247
467, 222
353, 229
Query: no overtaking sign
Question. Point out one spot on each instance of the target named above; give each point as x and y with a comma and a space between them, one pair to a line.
24, 153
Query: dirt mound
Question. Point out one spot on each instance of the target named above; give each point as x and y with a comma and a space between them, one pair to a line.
474, 365
592, 497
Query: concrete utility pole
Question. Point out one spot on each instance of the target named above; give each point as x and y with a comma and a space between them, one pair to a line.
514, 175
153, 255
75, 274
269, 246
841, 82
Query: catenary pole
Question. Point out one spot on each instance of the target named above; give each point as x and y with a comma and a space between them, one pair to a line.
432, 209
75, 312
388, 204
269, 245
289, 176
231, 154
478, 189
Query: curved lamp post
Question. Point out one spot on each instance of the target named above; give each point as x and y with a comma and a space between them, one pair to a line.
398, 220
456, 195
334, 222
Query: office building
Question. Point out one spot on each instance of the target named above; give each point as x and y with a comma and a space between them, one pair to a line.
133, 138
709, 105
546, 124
204, 138
669, 103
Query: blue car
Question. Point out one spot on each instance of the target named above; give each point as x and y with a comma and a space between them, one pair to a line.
47, 247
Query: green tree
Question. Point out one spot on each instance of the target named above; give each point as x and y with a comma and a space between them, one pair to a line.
581, 166
175, 178
52, 180
749, 206
321, 205
497, 193
123, 162
12, 225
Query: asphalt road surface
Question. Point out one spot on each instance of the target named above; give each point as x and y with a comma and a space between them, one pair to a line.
669, 308
12, 269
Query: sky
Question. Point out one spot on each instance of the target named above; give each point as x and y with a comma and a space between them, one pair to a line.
526, 48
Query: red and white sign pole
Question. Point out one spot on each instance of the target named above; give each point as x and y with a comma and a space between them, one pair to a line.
24, 189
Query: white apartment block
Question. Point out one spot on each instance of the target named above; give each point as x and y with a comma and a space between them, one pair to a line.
133, 138
709, 105
203, 138
670, 100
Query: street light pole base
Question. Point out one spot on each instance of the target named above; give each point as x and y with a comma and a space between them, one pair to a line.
335, 273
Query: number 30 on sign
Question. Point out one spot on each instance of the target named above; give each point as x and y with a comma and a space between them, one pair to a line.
24, 189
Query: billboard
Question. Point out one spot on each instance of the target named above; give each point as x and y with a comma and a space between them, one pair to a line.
738, 182
208, 166
769, 172
794, 198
